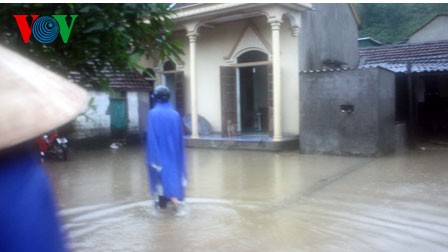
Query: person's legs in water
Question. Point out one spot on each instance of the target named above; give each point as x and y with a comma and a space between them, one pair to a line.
175, 201
163, 202
180, 207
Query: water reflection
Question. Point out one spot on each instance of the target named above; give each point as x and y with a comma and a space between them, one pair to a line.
256, 201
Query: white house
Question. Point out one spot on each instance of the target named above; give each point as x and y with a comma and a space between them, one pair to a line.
242, 61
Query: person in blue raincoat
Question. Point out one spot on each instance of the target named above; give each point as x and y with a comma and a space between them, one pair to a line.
33, 100
165, 155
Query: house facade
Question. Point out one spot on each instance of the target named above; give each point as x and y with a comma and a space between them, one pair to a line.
433, 30
421, 73
241, 65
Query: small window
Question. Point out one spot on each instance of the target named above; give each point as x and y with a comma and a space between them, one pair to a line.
169, 66
252, 56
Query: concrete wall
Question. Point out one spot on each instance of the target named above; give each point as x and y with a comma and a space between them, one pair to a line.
328, 32
368, 131
435, 31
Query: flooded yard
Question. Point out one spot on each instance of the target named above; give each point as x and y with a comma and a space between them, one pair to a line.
258, 201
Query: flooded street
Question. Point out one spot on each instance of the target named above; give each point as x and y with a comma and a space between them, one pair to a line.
258, 201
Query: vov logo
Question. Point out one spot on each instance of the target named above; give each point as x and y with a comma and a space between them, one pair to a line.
45, 29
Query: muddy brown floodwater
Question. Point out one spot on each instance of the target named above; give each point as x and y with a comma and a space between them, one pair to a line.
258, 201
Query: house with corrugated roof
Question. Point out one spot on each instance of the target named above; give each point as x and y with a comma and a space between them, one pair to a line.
421, 86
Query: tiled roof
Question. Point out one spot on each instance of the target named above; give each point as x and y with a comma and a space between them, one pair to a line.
327, 70
123, 80
425, 57
130, 80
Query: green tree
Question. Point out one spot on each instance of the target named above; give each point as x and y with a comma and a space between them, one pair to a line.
112, 36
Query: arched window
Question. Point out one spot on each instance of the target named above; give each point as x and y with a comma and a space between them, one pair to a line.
149, 74
252, 56
169, 66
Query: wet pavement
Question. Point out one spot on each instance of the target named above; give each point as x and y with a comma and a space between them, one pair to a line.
258, 201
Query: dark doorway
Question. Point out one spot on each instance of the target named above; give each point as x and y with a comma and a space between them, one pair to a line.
422, 103
252, 89
431, 115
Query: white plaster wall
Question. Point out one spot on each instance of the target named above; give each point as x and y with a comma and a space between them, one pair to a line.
213, 46
95, 121
143, 107
133, 115
435, 31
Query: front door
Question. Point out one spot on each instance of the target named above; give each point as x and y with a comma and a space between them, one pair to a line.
228, 101
118, 118
253, 99
246, 99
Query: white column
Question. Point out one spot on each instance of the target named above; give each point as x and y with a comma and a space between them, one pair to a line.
193, 87
296, 32
276, 72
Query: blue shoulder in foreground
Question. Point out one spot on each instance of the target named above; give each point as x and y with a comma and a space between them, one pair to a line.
28, 218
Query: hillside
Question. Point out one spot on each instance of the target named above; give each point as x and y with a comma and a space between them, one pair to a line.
394, 22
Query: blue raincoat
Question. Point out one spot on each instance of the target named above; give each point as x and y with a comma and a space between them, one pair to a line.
165, 153
28, 219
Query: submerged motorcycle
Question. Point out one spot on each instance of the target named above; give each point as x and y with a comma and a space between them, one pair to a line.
53, 146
